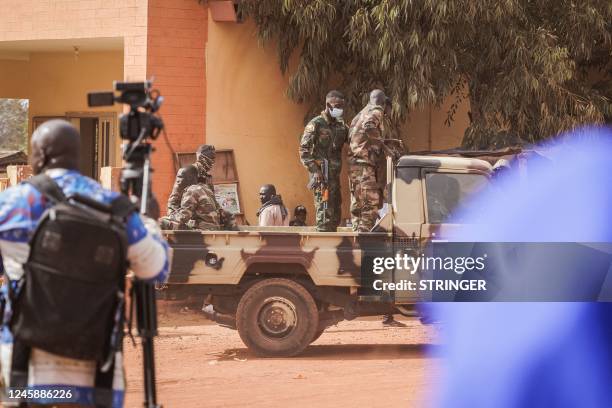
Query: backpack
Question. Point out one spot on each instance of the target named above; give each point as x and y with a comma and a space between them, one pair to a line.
70, 300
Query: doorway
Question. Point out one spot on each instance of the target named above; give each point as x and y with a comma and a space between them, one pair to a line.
88, 128
97, 139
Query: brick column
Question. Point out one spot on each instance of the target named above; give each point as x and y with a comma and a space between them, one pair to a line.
110, 178
17, 174
176, 40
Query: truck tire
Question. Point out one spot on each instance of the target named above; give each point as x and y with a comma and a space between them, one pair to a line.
277, 318
317, 335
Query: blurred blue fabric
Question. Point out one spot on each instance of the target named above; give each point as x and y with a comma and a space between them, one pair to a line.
508, 355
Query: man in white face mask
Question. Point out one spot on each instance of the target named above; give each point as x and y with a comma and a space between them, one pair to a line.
321, 154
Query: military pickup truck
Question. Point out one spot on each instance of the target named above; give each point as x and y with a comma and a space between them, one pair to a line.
281, 287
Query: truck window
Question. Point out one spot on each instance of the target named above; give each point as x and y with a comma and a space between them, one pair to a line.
446, 193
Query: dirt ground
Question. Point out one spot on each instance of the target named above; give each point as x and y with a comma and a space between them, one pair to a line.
354, 364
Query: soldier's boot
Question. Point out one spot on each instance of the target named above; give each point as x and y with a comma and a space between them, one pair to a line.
389, 321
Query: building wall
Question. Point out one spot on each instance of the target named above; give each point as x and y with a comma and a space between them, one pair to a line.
14, 78
56, 83
220, 86
59, 82
60, 19
247, 111
64, 82
176, 39
161, 38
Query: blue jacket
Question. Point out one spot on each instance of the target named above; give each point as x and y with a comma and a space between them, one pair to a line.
20, 209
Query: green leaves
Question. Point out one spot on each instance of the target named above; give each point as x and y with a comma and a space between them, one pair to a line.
529, 69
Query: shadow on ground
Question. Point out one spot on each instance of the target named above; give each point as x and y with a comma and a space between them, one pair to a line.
343, 352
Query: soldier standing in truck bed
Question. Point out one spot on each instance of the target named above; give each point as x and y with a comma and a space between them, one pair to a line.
366, 150
321, 152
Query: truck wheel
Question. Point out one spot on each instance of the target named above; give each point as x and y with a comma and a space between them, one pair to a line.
317, 335
277, 318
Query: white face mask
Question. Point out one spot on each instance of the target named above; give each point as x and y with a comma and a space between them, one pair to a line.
336, 112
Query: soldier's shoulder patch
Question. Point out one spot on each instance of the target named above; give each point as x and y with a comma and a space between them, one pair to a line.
374, 115
376, 111
310, 127
196, 188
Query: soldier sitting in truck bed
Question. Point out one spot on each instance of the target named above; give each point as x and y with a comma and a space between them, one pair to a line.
198, 207
189, 175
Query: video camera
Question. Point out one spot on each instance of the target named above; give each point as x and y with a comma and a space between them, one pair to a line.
136, 127
143, 101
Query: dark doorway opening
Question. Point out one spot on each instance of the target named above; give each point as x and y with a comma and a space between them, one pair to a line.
89, 147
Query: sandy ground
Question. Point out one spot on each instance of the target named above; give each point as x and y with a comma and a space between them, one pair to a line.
354, 364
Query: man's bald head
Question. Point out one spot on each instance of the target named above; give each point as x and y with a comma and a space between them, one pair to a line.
266, 192
378, 97
55, 144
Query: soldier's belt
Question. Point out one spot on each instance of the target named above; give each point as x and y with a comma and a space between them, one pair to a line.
360, 163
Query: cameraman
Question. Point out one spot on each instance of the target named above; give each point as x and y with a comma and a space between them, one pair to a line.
55, 152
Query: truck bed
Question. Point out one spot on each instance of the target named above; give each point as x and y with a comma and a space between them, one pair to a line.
224, 257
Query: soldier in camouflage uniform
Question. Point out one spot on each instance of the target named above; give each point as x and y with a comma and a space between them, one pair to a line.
189, 176
323, 139
199, 210
366, 150
198, 207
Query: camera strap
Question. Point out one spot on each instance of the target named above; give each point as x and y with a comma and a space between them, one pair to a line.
47, 187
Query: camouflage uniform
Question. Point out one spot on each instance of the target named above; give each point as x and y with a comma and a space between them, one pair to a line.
197, 172
199, 210
323, 138
365, 154
185, 177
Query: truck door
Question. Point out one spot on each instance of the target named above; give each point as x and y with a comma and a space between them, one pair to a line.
446, 196
432, 201
409, 216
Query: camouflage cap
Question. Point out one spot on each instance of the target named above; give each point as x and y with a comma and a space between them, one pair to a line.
206, 150
334, 96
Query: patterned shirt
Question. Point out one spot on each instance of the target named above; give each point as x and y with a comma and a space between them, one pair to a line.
20, 209
365, 136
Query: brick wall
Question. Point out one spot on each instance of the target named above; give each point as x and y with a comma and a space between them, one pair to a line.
176, 41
